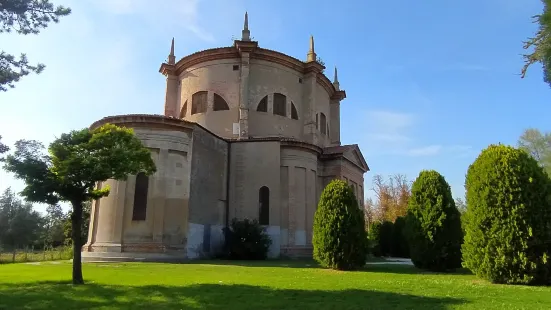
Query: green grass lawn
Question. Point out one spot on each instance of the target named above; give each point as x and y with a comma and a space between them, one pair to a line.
258, 285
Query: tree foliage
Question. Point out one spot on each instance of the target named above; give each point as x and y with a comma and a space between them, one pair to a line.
540, 43
508, 219
433, 225
339, 236
538, 145
54, 221
392, 196
20, 225
76, 162
398, 242
3, 148
24, 17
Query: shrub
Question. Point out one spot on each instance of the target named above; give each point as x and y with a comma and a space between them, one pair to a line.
385, 238
375, 239
339, 236
398, 244
246, 240
508, 218
433, 226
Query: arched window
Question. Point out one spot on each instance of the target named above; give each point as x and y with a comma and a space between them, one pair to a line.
294, 113
199, 102
263, 105
219, 103
280, 104
323, 125
183, 113
264, 206
140, 197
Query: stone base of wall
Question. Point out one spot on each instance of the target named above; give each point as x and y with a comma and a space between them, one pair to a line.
297, 252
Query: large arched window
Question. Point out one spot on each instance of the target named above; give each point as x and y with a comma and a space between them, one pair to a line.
219, 103
263, 105
140, 197
280, 104
183, 112
199, 102
323, 124
294, 113
264, 206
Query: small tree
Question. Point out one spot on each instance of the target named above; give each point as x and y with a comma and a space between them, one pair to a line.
385, 238
508, 218
374, 238
339, 236
433, 226
76, 162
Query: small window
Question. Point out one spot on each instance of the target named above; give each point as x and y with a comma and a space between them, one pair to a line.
323, 125
300, 80
317, 121
219, 103
280, 104
235, 67
199, 102
263, 105
294, 113
264, 206
183, 112
140, 197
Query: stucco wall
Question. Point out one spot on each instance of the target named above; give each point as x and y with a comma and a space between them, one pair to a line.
207, 192
215, 77
299, 196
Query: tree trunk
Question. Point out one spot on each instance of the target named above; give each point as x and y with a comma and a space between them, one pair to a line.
76, 227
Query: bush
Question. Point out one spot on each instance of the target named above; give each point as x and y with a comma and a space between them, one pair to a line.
375, 239
385, 238
508, 218
339, 236
398, 244
433, 226
246, 240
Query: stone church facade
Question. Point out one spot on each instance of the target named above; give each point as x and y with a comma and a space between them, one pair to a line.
247, 132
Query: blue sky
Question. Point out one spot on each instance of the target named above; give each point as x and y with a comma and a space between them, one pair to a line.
429, 83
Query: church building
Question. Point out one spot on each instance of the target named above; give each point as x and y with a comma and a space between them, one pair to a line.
247, 132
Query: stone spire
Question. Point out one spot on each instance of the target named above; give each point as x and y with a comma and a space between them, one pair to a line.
245, 33
336, 80
311, 52
171, 57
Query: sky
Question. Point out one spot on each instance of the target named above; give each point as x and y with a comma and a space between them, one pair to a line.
429, 83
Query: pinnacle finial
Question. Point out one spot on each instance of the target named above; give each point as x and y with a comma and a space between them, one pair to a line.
311, 52
171, 58
245, 33
336, 80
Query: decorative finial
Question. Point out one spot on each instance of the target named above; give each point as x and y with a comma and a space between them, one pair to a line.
246, 34
311, 52
171, 57
336, 80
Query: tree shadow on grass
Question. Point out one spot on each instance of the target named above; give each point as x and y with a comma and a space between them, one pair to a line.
62, 295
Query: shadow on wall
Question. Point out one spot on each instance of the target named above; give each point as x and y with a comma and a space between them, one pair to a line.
62, 295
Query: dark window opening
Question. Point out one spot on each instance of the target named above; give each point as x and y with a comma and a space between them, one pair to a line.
264, 206
317, 121
280, 104
219, 103
183, 112
300, 80
294, 113
140, 197
199, 102
263, 105
323, 125
235, 67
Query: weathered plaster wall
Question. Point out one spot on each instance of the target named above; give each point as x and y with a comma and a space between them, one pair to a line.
298, 196
253, 165
207, 192
218, 77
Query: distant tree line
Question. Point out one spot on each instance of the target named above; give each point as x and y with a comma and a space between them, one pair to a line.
22, 227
